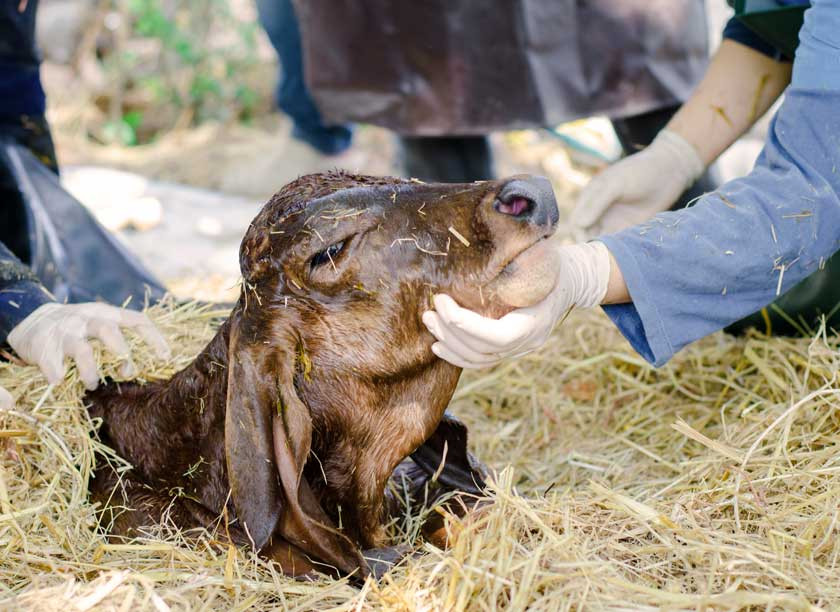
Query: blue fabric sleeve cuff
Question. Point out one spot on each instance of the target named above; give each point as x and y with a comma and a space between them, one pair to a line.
737, 31
17, 301
650, 342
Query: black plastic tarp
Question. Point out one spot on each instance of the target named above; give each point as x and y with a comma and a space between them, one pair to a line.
73, 256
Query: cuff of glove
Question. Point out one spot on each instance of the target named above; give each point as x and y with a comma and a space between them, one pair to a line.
588, 271
17, 302
682, 152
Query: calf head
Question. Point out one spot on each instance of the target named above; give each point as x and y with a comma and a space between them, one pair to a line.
331, 377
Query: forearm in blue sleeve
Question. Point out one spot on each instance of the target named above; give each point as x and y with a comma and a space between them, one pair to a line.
20, 292
692, 272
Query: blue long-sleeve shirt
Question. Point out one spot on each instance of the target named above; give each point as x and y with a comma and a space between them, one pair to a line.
20, 292
694, 271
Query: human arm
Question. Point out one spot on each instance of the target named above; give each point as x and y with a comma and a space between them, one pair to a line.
20, 292
694, 271
43, 332
739, 86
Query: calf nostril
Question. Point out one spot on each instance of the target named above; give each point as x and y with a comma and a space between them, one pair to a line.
529, 199
516, 206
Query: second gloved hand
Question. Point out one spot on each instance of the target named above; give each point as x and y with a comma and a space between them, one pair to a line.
55, 331
469, 340
639, 186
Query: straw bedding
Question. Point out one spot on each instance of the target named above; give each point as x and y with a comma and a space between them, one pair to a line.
711, 484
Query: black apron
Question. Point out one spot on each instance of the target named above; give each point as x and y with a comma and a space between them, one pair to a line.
456, 67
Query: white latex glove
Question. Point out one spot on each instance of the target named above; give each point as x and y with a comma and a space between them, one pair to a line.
6, 400
639, 186
468, 340
55, 331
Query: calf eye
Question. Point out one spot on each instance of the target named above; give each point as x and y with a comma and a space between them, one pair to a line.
327, 255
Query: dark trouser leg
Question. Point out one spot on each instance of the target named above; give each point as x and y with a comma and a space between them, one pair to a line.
447, 159
22, 98
293, 98
637, 132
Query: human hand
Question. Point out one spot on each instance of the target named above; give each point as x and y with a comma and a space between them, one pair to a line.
55, 331
639, 186
6, 400
469, 340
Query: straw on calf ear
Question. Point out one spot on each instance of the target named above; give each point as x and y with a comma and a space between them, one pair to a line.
268, 432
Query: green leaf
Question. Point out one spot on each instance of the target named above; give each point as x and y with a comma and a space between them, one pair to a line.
133, 119
119, 132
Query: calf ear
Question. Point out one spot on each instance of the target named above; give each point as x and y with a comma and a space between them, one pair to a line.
268, 433
249, 450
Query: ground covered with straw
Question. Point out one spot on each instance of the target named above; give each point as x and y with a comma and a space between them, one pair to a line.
711, 484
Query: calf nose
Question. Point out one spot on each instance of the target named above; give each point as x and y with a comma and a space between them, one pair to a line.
530, 199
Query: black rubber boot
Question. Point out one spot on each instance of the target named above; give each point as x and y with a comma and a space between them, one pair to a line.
798, 312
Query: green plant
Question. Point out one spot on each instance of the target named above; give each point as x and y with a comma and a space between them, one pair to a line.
176, 63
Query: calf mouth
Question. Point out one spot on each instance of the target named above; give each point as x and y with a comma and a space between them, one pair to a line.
520, 279
527, 278
523, 217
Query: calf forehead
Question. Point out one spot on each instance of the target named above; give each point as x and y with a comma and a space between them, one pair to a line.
392, 197
302, 192
292, 202
307, 194
318, 200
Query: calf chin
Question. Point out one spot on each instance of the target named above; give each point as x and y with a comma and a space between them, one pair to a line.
528, 279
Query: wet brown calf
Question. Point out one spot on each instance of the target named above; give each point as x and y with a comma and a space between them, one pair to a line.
322, 381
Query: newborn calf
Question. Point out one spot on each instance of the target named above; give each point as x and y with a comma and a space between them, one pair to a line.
287, 427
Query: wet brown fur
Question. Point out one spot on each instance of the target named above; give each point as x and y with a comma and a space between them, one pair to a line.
323, 376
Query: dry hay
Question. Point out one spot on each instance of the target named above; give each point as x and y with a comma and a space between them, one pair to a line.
710, 484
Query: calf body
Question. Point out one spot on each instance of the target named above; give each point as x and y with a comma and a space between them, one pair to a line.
321, 382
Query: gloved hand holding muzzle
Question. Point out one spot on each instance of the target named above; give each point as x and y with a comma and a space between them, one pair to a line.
469, 340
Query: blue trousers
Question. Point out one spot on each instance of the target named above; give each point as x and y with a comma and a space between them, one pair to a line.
280, 23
